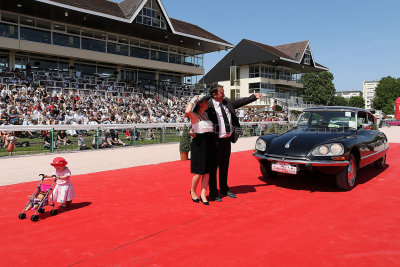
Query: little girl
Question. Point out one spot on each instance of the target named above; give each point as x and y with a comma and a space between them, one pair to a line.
63, 192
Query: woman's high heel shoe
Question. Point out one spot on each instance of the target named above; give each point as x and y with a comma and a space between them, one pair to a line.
204, 202
196, 200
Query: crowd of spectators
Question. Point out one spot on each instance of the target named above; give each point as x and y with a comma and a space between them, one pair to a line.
29, 99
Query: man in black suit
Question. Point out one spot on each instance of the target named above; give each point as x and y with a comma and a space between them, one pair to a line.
221, 111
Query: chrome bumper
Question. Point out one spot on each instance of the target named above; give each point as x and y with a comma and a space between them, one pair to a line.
329, 163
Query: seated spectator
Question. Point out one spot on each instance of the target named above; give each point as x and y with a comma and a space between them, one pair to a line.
47, 141
150, 134
102, 140
4, 117
114, 140
81, 142
63, 138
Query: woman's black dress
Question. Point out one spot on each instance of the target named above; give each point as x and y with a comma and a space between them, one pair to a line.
203, 147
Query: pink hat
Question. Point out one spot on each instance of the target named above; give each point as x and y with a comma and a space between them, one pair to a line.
58, 161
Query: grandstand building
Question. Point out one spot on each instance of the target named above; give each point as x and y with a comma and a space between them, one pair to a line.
274, 71
129, 41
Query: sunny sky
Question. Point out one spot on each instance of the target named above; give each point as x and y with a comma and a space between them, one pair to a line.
357, 39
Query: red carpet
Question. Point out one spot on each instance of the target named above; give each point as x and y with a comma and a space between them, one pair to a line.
144, 216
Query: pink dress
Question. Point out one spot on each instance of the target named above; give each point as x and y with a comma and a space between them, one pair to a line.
64, 190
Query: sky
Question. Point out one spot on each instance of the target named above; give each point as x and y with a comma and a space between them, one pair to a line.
358, 40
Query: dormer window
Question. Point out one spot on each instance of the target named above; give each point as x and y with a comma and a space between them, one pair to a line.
307, 56
151, 15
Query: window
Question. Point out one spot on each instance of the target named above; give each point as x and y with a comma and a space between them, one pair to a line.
175, 58
160, 56
9, 17
140, 52
254, 71
361, 119
117, 49
372, 122
59, 27
65, 40
10, 31
142, 75
27, 21
3, 62
44, 24
235, 75
151, 15
307, 56
307, 59
34, 35
94, 45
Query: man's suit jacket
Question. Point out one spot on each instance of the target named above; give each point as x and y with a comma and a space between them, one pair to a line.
231, 105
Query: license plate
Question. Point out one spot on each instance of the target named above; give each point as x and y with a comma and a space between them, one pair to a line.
284, 168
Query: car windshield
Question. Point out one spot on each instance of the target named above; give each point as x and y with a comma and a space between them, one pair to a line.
328, 119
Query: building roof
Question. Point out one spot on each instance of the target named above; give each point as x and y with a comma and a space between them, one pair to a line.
185, 27
270, 49
127, 10
248, 52
101, 6
293, 50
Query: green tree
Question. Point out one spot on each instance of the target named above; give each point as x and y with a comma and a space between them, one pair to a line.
357, 102
318, 87
338, 101
386, 93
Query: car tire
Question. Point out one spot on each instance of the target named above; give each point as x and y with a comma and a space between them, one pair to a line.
380, 163
267, 172
346, 178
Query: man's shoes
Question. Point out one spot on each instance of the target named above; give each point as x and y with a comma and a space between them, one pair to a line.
215, 198
229, 194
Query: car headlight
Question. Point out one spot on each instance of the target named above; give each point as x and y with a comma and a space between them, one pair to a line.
335, 149
261, 145
323, 150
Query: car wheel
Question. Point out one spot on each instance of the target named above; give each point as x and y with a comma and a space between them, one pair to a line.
346, 178
380, 163
267, 172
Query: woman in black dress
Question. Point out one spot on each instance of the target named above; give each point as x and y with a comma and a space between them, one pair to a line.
202, 145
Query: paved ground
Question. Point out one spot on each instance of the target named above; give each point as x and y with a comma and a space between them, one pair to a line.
27, 168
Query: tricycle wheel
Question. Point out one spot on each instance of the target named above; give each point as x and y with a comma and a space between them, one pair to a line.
34, 218
267, 172
22, 216
53, 212
41, 210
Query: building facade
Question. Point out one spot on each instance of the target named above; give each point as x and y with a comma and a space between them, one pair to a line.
348, 94
274, 71
133, 40
369, 92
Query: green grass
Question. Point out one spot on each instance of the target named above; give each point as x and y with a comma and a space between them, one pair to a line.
36, 144
170, 136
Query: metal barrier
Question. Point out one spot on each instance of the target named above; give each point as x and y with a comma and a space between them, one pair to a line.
30, 139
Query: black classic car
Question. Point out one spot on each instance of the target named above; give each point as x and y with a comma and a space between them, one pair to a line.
331, 140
